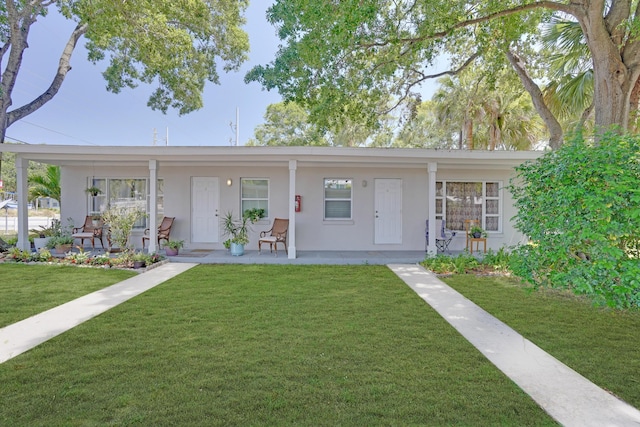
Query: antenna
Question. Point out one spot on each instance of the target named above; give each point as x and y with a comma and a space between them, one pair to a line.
237, 125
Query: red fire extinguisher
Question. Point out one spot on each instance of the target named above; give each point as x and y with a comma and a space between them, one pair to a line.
298, 203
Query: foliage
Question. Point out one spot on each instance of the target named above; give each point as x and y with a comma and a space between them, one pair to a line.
9, 171
18, 255
342, 59
12, 241
492, 262
59, 240
175, 244
46, 185
444, 264
121, 221
238, 229
94, 191
477, 230
286, 124
580, 206
176, 46
53, 229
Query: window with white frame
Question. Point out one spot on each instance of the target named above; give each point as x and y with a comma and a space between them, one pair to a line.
255, 194
338, 198
125, 192
479, 200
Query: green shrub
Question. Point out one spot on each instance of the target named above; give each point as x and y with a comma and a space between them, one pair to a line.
580, 206
443, 264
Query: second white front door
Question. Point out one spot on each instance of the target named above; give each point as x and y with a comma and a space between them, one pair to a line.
205, 200
388, 211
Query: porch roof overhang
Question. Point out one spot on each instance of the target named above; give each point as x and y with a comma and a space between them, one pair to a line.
72, 155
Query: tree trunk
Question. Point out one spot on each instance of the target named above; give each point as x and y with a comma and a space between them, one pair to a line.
468, 133
553, 126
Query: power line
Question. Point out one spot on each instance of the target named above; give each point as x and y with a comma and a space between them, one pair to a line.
55, 131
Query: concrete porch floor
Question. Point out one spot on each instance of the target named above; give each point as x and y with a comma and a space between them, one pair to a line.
304, 257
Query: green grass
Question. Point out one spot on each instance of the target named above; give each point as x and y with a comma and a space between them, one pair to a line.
264, 345
26, 290
601, 344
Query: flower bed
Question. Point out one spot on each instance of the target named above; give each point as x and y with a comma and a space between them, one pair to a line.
121, 260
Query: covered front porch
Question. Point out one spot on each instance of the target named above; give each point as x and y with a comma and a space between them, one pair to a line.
367, 212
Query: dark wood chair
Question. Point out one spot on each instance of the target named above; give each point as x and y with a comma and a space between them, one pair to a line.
164, 230
91, 229
277, 234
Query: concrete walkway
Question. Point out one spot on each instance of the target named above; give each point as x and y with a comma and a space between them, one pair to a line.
19, 337
567, 396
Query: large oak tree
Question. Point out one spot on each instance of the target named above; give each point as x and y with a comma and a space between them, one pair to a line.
340, 57
176, 45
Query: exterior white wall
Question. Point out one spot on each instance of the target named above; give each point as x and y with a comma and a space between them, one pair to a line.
312, 232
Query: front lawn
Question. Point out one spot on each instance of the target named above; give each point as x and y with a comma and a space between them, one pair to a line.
264, 345
26, 290
601, 344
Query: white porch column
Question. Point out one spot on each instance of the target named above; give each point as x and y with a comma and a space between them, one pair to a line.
22, 165
153, 206
291, 234
431, 197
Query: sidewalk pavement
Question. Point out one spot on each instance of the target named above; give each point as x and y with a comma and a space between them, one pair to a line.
568, 397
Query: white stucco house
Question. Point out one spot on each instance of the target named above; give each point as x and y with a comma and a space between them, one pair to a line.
358, 199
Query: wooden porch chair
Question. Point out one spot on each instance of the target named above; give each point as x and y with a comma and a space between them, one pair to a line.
89, 231
277, 234
468, 224
164, 230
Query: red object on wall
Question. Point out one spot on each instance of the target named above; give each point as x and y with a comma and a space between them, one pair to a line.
298, 203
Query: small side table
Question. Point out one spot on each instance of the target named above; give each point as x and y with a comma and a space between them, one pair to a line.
477, 241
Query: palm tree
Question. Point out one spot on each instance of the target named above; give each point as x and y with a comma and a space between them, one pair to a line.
569, 94
47, 185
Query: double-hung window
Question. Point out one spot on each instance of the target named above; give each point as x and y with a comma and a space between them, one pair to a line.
338, 198
255, 194
125, 192
479, 200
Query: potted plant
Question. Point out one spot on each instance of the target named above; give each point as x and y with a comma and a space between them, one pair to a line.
172, 247
93, 191
61, 243
44, 234
238, 229
121, 221
477, 232
140, 260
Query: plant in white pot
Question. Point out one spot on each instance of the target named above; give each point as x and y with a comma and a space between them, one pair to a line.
238, 229
44, 234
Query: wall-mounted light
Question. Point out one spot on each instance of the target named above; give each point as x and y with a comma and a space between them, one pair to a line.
364, 182
229, 182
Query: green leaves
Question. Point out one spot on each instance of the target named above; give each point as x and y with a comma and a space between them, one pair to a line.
173, 44
579, 206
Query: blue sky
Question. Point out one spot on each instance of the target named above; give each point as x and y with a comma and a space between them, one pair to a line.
84, 113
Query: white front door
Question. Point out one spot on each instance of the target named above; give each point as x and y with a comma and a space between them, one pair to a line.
204, 209
388, 211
